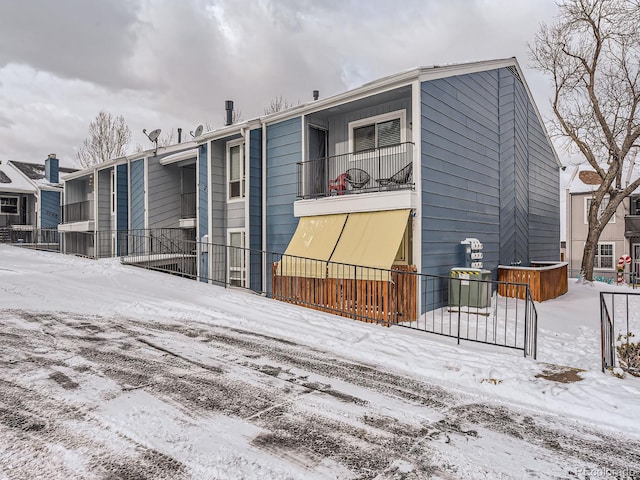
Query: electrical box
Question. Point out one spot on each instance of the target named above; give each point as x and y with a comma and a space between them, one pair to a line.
471, 253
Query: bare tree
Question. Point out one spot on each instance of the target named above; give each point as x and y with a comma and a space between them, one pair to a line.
592, 54
108, 138
278, 104
167, 139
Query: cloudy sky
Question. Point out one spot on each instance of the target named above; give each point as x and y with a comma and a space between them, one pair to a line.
172, 63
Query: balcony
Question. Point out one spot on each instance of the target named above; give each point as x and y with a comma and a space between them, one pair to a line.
632, 226
77, 217
375, 170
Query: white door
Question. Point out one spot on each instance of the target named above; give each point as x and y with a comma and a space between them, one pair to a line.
635, 255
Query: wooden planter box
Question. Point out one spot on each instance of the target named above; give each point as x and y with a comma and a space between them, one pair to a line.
366, 300
546, 280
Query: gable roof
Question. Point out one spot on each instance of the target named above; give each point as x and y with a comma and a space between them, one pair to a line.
35, 171
12, 181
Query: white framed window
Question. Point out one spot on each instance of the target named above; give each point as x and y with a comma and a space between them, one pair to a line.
605, 254
237, 258
603, 205
377, 132
236, 169
9, 206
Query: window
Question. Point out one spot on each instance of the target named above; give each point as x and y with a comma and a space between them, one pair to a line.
603, 205
604, 256
237, 259
235, 160
9, 205
635, 206
377, 132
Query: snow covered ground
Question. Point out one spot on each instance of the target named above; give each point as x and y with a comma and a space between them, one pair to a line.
110, 371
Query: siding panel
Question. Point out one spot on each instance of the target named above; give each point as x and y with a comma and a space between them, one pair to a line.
284, 150
460, 169
49, 209
137, 195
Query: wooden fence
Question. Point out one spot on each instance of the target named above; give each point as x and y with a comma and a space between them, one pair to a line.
546, 280
366, 300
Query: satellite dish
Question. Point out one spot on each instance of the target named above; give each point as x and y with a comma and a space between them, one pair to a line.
198, 131
153, 136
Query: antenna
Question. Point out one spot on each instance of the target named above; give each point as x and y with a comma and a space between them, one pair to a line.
198, 131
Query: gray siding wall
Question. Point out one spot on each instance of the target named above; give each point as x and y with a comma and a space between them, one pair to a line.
164, 187
49, 209
460, 169
219, 193
284, 150
514, 183
338, 125
544, 195
137, 195
104, 200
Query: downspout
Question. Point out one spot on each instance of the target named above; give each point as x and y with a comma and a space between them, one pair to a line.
264, 205
247, 199
416, 138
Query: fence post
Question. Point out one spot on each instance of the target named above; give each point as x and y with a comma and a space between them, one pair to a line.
459, 306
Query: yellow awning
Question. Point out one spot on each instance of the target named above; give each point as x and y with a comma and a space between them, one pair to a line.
369, 239
315, 238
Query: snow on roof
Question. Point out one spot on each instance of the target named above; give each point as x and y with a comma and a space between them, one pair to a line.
586, 180
35, 171
11, 180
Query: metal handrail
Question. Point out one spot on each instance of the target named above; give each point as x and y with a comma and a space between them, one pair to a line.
317, 178
77, 212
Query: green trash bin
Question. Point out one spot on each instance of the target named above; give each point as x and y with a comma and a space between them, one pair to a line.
466, 291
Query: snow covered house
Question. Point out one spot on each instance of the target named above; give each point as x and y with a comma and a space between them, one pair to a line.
620, 237
29, 198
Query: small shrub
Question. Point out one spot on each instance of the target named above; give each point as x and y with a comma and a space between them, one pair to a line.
629, 354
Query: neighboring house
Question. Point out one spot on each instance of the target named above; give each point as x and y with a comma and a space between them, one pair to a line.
29, 198
621, 236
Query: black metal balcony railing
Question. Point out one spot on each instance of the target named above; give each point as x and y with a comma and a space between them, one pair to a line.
379, 169
188, 205
77, 212
632, 226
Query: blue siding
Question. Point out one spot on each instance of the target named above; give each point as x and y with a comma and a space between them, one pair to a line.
137, 195
255, 207
49, 209
460, 141
203, 210
488, 172
284, 150
122, 204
